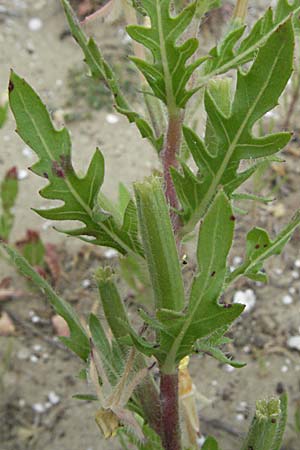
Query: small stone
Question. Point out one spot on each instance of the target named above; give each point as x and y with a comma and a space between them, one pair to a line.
287, 299
35, 24
54, 399
237, 260
295, 274
35, 319
48, 405
39, 408
37, 348
284, 369
22, 174
34, 358
292, 290
112, 119
27, 152
294, 342
278, 271
22, 403
228, 368
239, 417
297, 263
110, 253
86, 283
247, 349
247, 298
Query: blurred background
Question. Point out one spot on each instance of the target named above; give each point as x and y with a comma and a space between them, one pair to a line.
37, 375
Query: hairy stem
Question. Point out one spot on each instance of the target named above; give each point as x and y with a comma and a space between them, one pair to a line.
169, 159
170, 411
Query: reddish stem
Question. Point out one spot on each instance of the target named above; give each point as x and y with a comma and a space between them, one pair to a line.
169, 159
170, 411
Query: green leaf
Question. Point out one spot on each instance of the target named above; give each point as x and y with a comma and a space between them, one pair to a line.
225, 56
32, 248
86, 397
78, 341
204, 6
257, 92
211, 344
260, 247
159, 245
101, 70
204, 315
79, 195
169, 71
210, 444
3, 113
112, 304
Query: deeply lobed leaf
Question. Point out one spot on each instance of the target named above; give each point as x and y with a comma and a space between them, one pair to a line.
79, 195
169, 71
230, 136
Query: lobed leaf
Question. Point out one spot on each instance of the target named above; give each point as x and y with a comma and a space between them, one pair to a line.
169, 71
79, 195
257, 92
229, 55
259, 248
101, 70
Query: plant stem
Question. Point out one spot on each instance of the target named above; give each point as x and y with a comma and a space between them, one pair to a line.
169, 159
170, 411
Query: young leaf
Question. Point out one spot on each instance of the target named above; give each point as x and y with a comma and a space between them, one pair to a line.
225, 56
211, 344
257, 92
210, 444
159, 245
78, 341
204, 315
78, 194
169, 72
260, 247
101, 70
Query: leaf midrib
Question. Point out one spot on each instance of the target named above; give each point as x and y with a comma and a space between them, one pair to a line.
216, 180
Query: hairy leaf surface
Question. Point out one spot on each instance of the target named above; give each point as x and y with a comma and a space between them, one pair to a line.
257, 92
78, 194
169, 72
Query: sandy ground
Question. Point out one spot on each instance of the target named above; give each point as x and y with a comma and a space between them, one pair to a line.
32, 364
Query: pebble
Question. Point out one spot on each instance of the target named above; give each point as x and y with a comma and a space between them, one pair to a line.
34, 358
39, 408
292, 290
86, 283
247, 298
284, 369
239, 417
53, 398
287, 299
237, 260
228, 368
27, 152
22, 403
22, 174
297, 263
294, 342
112, 119
295, 274
37, 348
110, 253
35, 24
35, 319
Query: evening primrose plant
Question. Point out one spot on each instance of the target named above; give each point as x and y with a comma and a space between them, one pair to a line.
140, 373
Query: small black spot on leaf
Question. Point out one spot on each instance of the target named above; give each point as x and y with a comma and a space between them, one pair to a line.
11, 86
